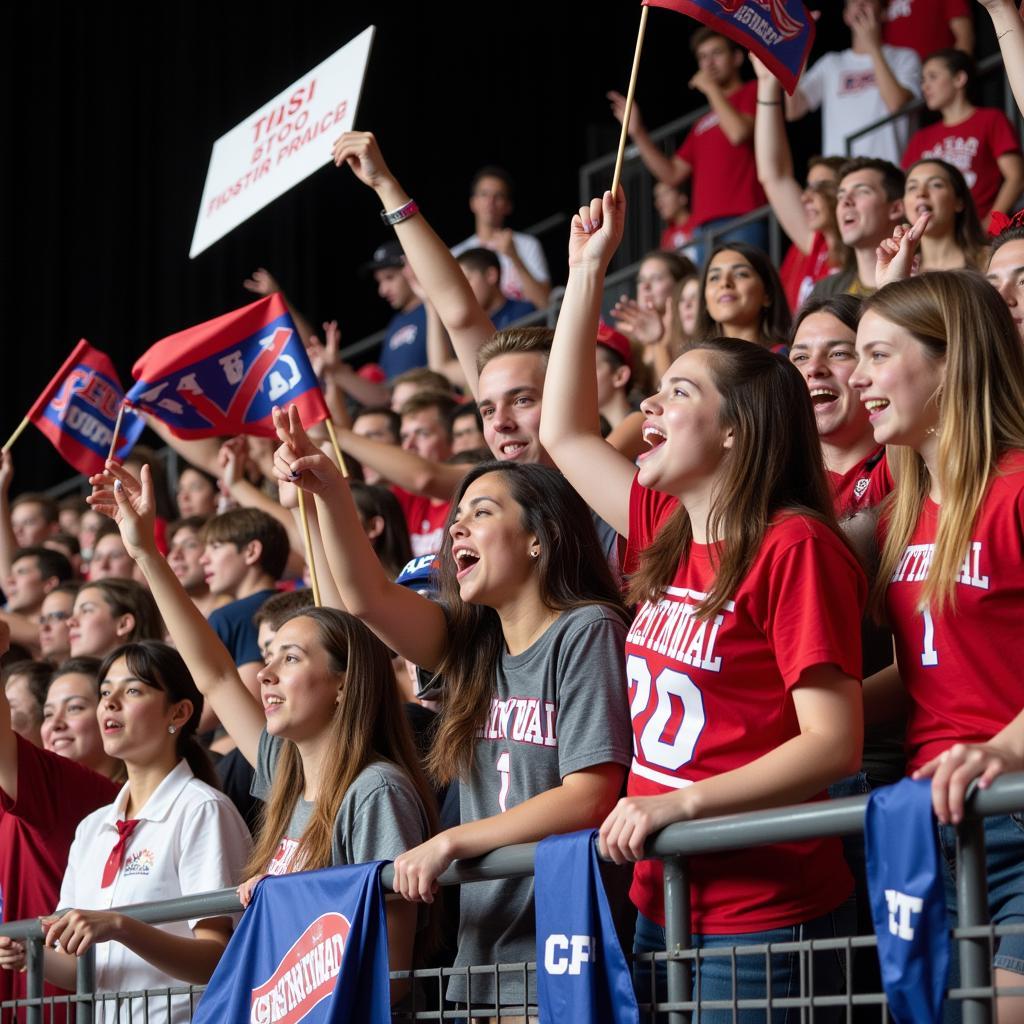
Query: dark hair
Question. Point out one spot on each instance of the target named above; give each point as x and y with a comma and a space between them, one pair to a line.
774, 466
127, 597
479, 259
71, 587
74, 503
703, 34
67, 540
442, 401
775, 318
37, 675
1010, 234
465, 409
394, 420
833, 163
492, 171
391, 545
845, 308
676, 264
424, 377
968, 233
194, 523
956, 62
51, 563
283, 606
572, 571
241, 526
85, 665
160, 666
46, 503
142, 455
893, 179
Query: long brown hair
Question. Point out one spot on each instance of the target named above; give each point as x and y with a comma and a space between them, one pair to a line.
572, 571
957, 316
968, 233
774, 466
368, 725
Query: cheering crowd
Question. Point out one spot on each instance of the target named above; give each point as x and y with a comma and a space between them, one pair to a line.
757, 539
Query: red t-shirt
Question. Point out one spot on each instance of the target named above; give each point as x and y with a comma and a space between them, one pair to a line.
961, 668
710, 696
36, 831
923, 25
862, 487
425, 517
972, 146
724, 176
676, 236
800, 271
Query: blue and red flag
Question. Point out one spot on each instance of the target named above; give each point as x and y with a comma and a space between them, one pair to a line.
78, 409
780, 32
225, 376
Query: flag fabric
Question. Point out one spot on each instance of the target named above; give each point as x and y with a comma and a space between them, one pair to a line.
312, 946
581, 972
78, 409
908, 904
780, 32
224, 376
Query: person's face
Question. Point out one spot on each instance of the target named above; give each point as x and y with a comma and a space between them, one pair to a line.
929, 190
669, 202
819, 198
393, 287
54, 619
484, 285
612, 377
510, 392
683, 428
25, 712
425, 433
938, 84
689, 303
297, 687
69, 725
195, 496
375, 427
466, 435
898, 381
92, 628
29, 525
184, 556
90, 525
110, 560
491, 548
225, 566
718, 60
864, 214
134, 717
824, 350
1006, 274
654, 284
733, 291
69, 520
25, 587
490, 202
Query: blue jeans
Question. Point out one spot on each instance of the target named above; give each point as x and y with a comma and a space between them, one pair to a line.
713, 977
752, 234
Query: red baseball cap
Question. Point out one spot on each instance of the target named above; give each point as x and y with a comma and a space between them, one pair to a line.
615, 342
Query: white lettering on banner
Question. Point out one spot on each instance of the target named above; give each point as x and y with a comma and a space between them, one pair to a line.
521, 719
902, 910
557, 956
281, 143
84, 423
761, 27
277, 384
916, 560
234, 368
152, 396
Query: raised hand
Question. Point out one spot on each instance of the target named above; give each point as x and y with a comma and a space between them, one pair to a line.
761, 71
362, 154
6, 470
637, 323
231, 460
894, 257
129, 502
324, 357
865, 28
262, 282
618, 104
298, 460
596, 231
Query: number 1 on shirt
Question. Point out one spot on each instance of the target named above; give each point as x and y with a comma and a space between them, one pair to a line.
504, 766
929, 656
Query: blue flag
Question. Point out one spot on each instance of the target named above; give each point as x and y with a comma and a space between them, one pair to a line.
908, 903
581, 972
313, 947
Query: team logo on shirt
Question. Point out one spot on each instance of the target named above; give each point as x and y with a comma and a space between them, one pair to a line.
403, 336
139, 863
305, 975
913, 566
782, 23
281, 861
861, 486
523, 720
856, 81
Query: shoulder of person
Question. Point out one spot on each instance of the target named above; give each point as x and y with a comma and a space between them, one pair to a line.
377, 778
792, 528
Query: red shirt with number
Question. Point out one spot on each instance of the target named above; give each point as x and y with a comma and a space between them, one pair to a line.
861, 487
425, 517
923, 25
709, 696
961, 666
724, 176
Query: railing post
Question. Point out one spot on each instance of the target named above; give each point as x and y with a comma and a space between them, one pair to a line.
85, 985
972, 910
34, 979
677, 933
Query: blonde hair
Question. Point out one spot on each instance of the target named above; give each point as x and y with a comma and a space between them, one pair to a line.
516, 340
957, 316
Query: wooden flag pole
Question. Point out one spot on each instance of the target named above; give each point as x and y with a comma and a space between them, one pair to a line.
117, 432
337, 451
17, 433
624, 136
307, 540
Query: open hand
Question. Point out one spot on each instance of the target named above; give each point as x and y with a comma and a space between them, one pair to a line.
637, 322
130, 503
262, 282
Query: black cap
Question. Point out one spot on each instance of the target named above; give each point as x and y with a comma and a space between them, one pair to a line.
384, 256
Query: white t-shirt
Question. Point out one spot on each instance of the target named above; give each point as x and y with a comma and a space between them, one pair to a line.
190, 839
530, 252
843, 84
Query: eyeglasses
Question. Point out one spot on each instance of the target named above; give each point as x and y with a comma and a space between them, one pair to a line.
823, 188
51, 618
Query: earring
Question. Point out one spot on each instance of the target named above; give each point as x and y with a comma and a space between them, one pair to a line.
535, 554
172, 729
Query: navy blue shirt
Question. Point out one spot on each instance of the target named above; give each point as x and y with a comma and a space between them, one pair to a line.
233, 624
514, 309
405, 344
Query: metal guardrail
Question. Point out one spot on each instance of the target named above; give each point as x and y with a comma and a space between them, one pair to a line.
672, 845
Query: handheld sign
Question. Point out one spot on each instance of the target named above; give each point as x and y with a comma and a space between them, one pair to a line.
281, 143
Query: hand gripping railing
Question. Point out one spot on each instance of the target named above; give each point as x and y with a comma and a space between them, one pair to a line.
673, 845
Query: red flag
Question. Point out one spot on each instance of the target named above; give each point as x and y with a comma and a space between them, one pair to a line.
779, 32
224, 376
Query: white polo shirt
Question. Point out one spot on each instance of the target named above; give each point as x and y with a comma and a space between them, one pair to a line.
190, 839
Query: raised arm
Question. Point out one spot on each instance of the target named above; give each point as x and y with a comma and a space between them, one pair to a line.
444, 282
569, 428
673, 170
263, 282
8, 739
130, 504
407, 623
867, 36
8, 543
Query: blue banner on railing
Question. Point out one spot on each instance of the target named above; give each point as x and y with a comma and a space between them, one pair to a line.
581, 972
312, 947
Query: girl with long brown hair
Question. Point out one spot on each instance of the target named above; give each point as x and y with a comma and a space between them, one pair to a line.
744, 657
335, 763
525, 638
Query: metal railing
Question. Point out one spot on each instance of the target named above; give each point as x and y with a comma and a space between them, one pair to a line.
673, 845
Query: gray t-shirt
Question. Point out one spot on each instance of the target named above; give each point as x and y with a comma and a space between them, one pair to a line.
380, 816
558, 707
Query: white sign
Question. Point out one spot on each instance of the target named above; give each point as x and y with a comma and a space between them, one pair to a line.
283, 142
